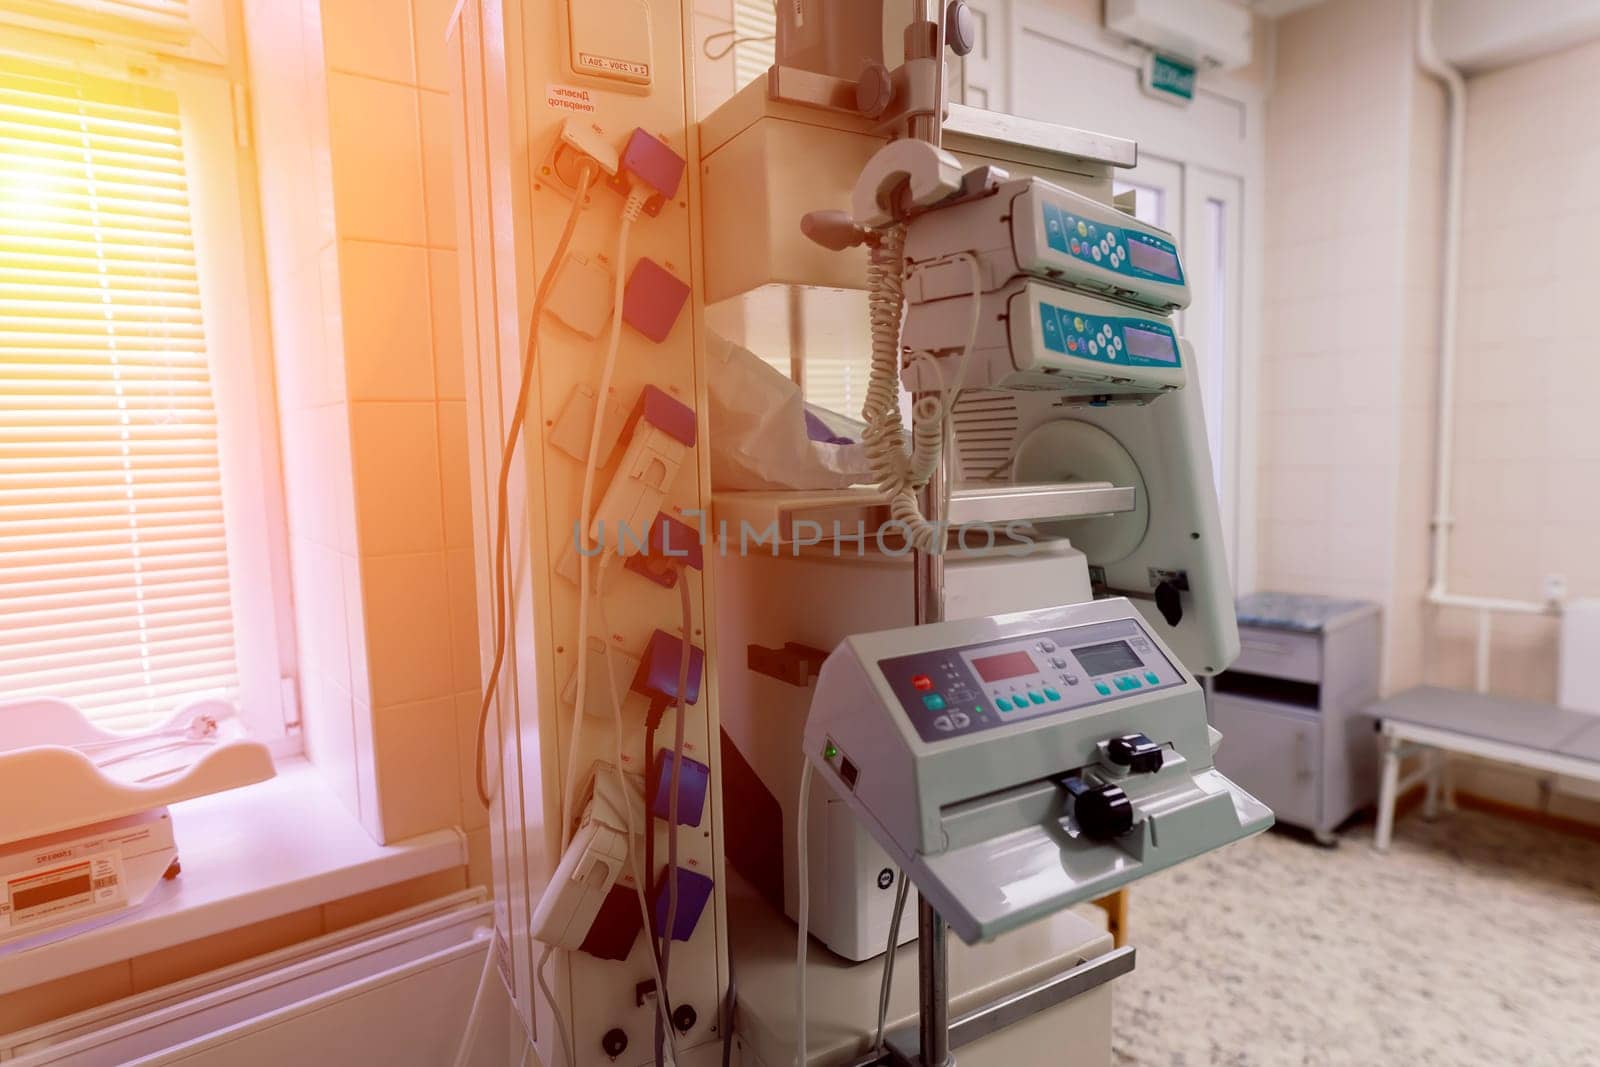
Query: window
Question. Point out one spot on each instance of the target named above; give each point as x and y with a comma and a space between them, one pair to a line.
755, 27
161, 18
131, 434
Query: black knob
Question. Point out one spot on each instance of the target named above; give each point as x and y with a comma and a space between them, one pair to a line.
614, 1043
683, 1018
1136, 752
1102, 811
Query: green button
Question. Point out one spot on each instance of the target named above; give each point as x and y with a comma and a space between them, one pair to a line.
1002, 703
1105, 690
933, 702
1051, 694
1152, 677
1035, 697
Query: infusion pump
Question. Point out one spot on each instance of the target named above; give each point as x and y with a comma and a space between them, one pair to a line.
1018, 764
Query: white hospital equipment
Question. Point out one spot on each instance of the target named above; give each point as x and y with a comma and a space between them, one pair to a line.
1079, 377
1017, 764
84, 826
637, 649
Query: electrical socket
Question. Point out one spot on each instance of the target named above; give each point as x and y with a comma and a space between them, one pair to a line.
576, 141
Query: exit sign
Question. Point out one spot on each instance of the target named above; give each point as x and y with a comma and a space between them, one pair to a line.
1169, 78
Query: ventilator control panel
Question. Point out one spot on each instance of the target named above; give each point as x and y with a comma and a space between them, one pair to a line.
952, 692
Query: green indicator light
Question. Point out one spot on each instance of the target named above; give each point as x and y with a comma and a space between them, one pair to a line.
979, 709
830, 750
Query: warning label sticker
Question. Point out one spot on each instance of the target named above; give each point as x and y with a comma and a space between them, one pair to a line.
614, 67
569, 98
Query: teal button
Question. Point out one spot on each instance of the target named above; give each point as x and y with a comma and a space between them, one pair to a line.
1127, 682
1035, 697
933, 702
1152, 677
1051, 694
1104, 689
1002, 703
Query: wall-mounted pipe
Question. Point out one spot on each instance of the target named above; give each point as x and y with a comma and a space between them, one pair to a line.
1444, 451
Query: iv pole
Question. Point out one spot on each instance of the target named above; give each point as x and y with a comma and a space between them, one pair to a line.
925, 39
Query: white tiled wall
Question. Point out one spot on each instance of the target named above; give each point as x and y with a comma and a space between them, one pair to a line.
1344, 364
1527, 439
354, 121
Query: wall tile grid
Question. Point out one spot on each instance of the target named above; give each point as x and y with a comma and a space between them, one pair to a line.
1527, 443
1337, 159
357, 187
389, 120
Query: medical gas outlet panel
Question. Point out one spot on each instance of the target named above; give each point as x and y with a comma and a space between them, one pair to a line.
1033, 227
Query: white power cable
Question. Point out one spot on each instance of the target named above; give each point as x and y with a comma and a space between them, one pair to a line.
803, 936
550, 998
636, 199
470, 1032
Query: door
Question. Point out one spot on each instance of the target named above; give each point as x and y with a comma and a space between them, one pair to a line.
1202, 209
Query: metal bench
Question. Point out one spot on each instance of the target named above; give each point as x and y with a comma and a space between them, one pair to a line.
1437, 723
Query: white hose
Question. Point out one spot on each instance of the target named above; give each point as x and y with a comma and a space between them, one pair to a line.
471, 1030
635, 204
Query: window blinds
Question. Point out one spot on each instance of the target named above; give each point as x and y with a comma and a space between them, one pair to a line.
755, 22
113, 567
162, 19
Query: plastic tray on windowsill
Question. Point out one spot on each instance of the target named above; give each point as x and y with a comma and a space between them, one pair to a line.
49, 780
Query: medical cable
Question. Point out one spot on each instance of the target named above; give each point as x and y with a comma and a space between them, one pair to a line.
662, 1003
630, 213
886, 983
550, 999
730, 1010
897, 473
502, 533
687, 612
802, 936
470, 1033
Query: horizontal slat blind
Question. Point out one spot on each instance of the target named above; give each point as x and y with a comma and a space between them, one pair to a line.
161, 19
113, 563
754, 24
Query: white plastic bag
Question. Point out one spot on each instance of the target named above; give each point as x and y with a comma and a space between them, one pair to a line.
759, 437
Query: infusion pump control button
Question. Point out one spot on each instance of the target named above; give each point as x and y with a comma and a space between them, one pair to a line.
1101, 811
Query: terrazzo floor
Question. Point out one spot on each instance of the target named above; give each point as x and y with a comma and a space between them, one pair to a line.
1476, 940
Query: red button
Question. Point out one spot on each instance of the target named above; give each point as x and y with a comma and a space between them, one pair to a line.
922, 682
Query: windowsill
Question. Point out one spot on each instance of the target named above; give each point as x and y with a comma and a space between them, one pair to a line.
248, 855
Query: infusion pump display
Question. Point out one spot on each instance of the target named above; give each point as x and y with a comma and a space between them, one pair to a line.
951, 692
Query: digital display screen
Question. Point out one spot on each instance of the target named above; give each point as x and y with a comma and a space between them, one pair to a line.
1107, 658
999, 668
1148, 344
1155, 260
49, 893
